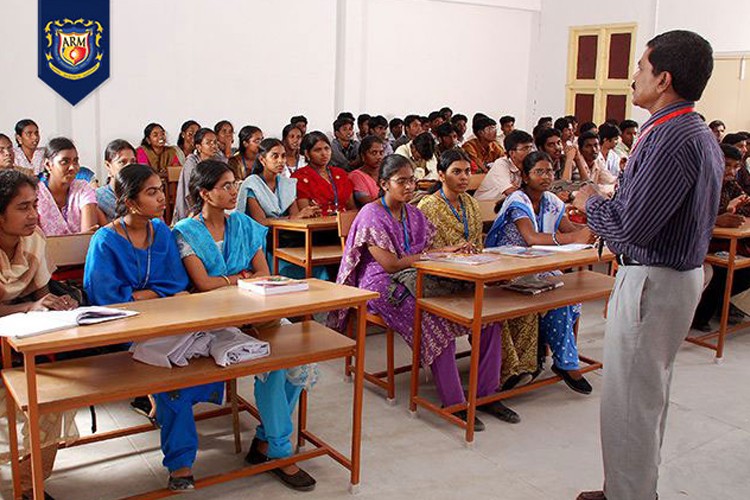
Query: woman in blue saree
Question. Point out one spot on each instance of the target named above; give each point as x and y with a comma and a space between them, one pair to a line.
217, 250
135, 257
534, 216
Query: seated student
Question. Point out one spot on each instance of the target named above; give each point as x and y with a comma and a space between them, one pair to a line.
242, 161
534, 216
628, 134
588, 127
291, 136
426, 124
27, 154
154, 151
135, 257
319, 183
186, 140
386, 238
718, 128
224, 131
299, 121
396, 127
267, 194
446, 113
594, 169
365, 178
412, 128
119, 154
436, 119
378, 127
483, 149
218, 250
609, 138
8, 157
459, 122
363, 126
447, 136
66, 205
734, 206
739, 141
421, 151
24, 287
565, 128
206, 148
507, 125
505, 175
344, 148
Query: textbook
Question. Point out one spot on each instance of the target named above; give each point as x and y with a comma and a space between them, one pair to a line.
570, 247
533, 285
38, 322
273, 285
516, 251
471, 259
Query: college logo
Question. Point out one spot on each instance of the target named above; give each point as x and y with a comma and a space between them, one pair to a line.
74, 46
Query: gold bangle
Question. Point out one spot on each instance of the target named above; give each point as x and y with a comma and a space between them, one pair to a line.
226, 279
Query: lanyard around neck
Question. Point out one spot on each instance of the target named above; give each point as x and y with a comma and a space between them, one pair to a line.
332, 181
660, 121
142, 282
407, 242
465, 220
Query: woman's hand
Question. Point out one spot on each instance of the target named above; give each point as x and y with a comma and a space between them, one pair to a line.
729, 219
309, 212
54, 303
465, 247
738, 203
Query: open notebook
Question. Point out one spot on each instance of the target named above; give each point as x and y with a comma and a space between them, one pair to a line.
38, 322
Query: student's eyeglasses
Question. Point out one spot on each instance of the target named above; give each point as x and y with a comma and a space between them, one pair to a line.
230, 186
403, 181
543, 171
527, 147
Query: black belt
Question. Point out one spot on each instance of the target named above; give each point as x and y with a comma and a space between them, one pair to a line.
624, 260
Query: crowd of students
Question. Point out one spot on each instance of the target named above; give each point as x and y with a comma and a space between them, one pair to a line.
225, 197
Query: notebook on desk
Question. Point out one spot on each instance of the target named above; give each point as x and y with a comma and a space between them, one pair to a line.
38, 322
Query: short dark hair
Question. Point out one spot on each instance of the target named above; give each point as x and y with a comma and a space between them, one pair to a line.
378, 121
734, 138
507, 119
545, 134
347, 114
731, 152
716, 124
128, 183
115, 147
445, 129
561, 123
586, 126
685, 55
626, 124
340, 122
395, 122
424, 119
411, 119
444, 110
363, 118
57, 144
544, 119
458, 117
298, 118
585, 137
608, 131
434, 115
425, 145
515, 138
11, 182
205, 175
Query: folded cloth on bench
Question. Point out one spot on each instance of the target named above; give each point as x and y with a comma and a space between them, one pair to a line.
230, 346
174, 349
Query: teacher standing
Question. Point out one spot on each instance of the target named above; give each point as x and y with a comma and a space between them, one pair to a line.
659, 225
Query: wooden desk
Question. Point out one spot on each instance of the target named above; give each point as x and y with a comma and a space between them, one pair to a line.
732, 263
308, 256
39, 390
487, 305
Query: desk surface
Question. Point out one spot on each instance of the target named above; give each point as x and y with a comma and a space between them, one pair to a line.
327, 222
506, 267
228, 306
740, 232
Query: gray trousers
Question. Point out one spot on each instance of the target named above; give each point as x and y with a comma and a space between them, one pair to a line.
648, 318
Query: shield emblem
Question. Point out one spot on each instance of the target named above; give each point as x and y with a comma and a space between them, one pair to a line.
74, 48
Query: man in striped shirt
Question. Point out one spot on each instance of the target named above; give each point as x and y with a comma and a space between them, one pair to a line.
659, 224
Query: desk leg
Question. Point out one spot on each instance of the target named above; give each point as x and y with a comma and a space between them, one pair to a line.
476, 332
308, 253
275, 269
37, 473
359, 380
727, 299
416, 346
301, 420
11, 409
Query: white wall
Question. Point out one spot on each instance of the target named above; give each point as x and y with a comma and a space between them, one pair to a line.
261, 61
717, 21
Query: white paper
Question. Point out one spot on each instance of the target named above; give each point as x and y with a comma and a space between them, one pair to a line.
38, 322
570, 247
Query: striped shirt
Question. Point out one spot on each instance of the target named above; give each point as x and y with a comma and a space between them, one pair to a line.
664, 212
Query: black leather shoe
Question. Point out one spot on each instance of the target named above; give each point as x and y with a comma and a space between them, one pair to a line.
580, 386
254, 456
463, 415
702, 327
300, 481
30, 495
502, 412
591, 495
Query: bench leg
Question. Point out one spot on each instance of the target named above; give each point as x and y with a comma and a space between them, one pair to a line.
302, 420
390, 355
232, 393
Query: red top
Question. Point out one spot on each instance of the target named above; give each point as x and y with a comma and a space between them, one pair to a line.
329, 197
